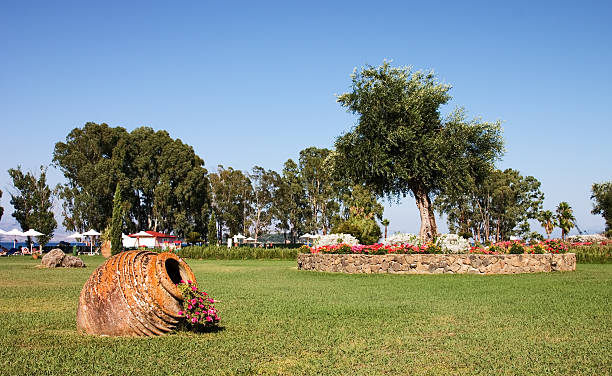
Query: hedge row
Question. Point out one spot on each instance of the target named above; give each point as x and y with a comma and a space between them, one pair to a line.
237, 253
584, 254
592, 254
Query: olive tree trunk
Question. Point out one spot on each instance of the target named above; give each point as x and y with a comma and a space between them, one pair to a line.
428, 229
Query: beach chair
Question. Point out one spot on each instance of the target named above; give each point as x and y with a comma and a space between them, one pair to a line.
13, 252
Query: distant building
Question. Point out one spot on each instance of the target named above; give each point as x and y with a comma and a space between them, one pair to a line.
154, 240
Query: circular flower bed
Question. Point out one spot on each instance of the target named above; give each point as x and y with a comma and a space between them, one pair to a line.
438, 247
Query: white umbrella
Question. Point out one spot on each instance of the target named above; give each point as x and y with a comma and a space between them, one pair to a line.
309, 236
91, 233
239, 236
14, 232
250, 239
75, 236
141, 234
31, 232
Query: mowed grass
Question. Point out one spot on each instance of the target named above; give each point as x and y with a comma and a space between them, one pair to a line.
278, 320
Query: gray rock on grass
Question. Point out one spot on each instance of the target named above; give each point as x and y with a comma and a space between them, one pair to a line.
57, 258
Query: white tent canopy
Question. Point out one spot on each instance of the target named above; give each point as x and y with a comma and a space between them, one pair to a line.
76, 235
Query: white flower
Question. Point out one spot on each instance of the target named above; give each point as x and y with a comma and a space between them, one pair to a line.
332, 239
593, 238
452, 243
403, 239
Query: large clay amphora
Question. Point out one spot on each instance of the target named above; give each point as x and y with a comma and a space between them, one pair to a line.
133, 293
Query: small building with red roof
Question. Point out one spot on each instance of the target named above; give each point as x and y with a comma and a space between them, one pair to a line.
154, 239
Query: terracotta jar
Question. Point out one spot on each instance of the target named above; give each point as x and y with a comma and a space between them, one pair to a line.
133, 293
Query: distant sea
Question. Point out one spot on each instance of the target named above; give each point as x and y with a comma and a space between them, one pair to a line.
9, 245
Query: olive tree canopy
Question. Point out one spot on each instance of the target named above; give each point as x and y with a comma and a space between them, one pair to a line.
401, 144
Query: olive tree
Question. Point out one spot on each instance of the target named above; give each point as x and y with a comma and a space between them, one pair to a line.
402, 145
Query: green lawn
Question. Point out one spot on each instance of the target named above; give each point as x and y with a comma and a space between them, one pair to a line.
278, 320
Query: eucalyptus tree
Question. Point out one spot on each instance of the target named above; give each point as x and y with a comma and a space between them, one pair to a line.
494, 207
515, 200
358, 200
163, 182
33, 202
565, 218
401, 145
602, 194
232, 194
92, 160
291, 207
547, 220
265, 185
317, 172
170, 185
212, 230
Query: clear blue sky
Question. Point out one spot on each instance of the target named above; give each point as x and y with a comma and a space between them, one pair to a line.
254, 83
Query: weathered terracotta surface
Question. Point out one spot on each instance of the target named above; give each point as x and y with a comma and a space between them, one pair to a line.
105, 250
133, 293
437, 263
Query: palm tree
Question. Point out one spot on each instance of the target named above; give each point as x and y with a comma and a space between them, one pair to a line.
547, 220
385, 222
565, 218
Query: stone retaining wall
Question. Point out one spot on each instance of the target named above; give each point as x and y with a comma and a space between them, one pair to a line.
438, 264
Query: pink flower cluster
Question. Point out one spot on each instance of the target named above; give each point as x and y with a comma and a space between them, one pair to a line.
377, 249
515, 246
198, 308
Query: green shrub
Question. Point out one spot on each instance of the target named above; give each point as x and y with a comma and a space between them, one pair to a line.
237, 253
599, 254
517, 248
366, 230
